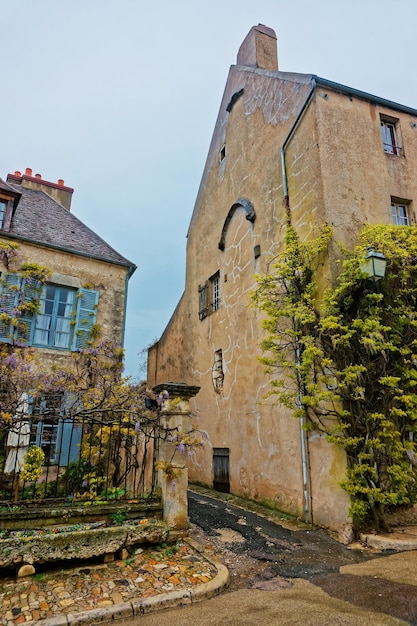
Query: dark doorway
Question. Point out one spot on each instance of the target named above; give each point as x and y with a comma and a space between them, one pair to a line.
221, 469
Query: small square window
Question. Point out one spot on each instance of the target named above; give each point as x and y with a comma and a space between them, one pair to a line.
223, 153
400, 212
209, 296
390, 136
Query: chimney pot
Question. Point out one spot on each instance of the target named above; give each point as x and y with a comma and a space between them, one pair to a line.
17, 173
60, 182
38, 175
28, 171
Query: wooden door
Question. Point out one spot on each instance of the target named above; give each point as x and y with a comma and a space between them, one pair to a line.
221, 469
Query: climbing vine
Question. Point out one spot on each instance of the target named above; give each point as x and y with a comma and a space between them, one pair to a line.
345, 358
20, 290
118, 434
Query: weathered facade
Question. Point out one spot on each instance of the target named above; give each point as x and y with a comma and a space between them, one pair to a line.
88, 285
284, 144
83, 299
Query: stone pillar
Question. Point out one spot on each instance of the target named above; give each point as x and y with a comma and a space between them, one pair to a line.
175, 415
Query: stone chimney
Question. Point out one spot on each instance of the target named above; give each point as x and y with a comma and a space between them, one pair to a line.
58, 191
259, 49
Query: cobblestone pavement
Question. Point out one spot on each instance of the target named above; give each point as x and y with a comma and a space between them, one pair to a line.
148, 573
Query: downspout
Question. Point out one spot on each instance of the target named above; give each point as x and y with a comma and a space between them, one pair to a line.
287, 141
128, 275
303, 439
303, 435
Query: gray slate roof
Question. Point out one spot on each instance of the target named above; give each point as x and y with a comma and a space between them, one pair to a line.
42, 220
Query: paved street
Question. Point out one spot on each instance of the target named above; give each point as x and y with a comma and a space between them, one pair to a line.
282, 574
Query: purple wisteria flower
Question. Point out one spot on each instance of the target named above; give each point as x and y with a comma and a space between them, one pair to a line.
11, 360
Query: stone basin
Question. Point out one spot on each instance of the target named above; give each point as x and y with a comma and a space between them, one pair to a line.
45, 547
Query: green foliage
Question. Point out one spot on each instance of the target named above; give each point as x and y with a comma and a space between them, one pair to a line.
346, 358
32, 464
74, 475
119, 434
20, 298
119, 517
165, 552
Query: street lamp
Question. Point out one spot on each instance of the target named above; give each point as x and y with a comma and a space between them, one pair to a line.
374, 264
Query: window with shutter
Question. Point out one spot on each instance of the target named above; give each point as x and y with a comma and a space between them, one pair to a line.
57, 435
209, 296
65, 319
53, 322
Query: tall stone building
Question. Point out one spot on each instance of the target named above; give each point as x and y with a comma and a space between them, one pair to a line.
284, 143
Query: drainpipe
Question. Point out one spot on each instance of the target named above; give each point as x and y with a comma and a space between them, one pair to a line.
303, 439
303, 436
287, 141
128, 275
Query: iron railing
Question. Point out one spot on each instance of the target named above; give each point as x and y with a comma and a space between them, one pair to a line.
84, 460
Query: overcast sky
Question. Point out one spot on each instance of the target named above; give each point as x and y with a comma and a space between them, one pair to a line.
120, 97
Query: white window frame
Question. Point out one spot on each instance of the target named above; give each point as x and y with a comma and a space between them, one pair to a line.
390, 136
400, 212
215, 292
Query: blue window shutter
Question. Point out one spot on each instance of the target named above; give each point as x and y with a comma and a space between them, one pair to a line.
31, 292
12, 288
68, 442
32, 289
86, 316
8, 301
38, 436
69, 433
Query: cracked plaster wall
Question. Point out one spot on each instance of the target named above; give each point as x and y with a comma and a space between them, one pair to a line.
337, 172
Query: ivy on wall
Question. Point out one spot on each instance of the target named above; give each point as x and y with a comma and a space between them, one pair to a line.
345, 357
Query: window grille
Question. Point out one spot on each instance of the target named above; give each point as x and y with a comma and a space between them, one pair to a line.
215, 293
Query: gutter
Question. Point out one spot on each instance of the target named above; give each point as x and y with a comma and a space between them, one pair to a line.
339, 88
287, 141
128, 275
363, 95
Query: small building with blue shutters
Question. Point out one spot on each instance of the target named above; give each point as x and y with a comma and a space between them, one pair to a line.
87, 287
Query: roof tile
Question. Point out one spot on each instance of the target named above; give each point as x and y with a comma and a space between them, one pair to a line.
41, 219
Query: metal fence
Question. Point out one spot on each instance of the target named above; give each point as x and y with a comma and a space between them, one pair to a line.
83, 459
